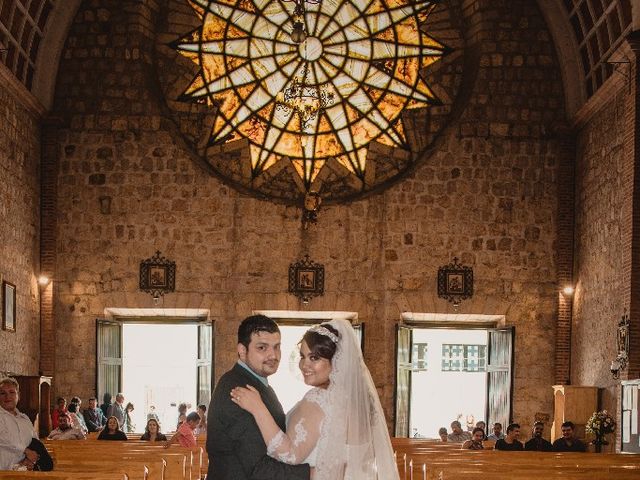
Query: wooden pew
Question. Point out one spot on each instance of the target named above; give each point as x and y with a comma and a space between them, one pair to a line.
4, 475
431, 460
179, 463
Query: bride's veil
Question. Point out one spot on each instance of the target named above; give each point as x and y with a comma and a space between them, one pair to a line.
354, 443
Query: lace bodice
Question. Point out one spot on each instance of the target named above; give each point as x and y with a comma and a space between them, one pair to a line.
304, 430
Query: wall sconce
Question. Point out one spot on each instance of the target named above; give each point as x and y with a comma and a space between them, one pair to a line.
568, 291
622, 341
43, 280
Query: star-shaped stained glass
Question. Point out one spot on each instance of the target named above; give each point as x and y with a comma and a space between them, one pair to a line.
327, 98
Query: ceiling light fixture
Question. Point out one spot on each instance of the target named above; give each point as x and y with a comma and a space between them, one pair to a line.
306, 100
299, 34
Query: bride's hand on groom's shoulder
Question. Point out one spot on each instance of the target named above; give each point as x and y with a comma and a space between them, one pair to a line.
248, 399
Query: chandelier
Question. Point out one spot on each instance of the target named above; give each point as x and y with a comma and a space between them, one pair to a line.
305, 100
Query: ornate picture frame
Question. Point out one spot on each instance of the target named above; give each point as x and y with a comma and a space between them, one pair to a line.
306, 279
8, 306
455, 282
157, 275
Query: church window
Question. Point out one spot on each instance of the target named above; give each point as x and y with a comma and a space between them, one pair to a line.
464, 358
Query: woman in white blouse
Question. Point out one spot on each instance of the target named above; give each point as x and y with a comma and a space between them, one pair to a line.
338, 427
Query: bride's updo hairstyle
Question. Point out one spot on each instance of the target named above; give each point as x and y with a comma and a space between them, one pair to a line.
322, 340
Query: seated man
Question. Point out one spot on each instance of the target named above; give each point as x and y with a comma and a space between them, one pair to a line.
537, 443
93, 416
510, 441
185, 436
457, 435
65, 430
497, 432
568, 442
442, 433
481, 424
16, 430
477, 436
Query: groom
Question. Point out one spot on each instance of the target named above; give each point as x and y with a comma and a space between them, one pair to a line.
234, 442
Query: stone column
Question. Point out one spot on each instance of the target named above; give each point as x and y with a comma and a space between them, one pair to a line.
48, 212
565, 256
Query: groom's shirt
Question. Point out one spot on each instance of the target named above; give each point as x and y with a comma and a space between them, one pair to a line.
264, 381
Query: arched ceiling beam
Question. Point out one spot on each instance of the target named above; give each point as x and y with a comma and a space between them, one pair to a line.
48, 59
568, 55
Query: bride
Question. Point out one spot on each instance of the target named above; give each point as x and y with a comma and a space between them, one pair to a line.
338, 427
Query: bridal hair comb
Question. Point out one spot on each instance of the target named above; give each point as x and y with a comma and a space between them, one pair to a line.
324, 331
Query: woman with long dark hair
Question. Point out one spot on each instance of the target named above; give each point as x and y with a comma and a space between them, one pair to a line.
152, 432
112, 430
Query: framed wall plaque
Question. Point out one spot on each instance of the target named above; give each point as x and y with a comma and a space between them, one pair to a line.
455, 282
306, 279
8, 306
157, 275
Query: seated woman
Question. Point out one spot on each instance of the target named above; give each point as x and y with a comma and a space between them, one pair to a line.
112, 430
77, 420
152, 432
477, 436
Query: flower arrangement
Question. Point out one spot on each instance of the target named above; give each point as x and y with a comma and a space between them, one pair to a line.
600, 424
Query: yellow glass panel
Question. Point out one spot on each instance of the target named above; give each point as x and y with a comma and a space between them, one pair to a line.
329, 96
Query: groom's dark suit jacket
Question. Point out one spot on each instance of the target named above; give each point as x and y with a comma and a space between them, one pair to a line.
234, 442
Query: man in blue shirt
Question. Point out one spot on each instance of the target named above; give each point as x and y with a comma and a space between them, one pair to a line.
93, 416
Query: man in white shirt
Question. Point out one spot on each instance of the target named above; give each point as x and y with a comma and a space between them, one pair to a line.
16, 430
65, 430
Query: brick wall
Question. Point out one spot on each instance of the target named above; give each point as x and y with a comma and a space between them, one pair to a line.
606, 238
488, 195
19, 231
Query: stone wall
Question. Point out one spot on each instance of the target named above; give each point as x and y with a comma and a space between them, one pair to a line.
19, 232
128, 187
602, 202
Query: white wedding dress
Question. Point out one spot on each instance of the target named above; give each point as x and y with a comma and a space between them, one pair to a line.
340, 430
